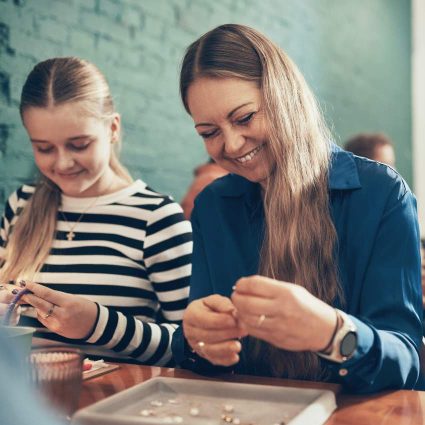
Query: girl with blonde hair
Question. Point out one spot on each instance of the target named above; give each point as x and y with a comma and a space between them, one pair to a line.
306, 258
111, 257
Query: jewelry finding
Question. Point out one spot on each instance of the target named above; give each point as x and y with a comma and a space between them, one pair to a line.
228, 408
260, 320
50, 312
194, 411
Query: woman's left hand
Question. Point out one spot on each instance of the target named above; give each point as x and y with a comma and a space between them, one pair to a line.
283, 314
68, 315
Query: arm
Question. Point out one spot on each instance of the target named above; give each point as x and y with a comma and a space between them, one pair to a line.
388, 315
167, 257
207, 311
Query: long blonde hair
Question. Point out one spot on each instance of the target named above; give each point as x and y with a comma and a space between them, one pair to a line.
53, 82
300, 238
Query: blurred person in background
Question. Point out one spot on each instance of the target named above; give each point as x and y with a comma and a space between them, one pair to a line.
376, 146
204, 174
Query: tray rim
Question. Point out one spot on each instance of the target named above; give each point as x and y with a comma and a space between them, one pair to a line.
326, 396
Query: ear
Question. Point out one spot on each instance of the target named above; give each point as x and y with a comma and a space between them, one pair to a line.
115, 127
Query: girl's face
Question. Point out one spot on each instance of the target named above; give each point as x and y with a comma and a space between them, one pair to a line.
228, 116
72, 148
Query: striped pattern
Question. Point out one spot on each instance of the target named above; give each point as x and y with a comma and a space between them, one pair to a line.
132, 255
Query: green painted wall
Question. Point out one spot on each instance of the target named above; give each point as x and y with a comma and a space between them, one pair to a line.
355, 55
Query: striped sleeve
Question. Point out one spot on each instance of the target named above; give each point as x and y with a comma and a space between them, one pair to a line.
15, 202
167, 250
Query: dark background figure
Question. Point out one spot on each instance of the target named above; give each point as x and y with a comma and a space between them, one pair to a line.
203, 175
376, 146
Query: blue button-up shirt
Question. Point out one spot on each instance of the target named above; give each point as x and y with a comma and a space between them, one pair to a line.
374, 213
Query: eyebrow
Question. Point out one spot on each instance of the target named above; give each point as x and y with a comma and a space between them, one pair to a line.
229, 115
71, 139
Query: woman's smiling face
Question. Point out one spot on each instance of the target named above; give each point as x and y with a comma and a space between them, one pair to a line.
228, 116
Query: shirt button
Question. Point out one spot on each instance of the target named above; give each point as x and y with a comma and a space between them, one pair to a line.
343, 372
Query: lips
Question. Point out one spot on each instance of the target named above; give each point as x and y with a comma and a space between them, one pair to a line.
250, 155
69, 175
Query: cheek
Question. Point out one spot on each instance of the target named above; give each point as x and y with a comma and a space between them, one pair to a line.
41, 161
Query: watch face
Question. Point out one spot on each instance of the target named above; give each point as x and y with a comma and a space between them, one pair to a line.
348, 344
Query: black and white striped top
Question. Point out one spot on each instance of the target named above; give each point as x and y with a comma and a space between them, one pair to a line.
132, 255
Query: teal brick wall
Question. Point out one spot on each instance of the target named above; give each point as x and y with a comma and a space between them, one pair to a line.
355, 55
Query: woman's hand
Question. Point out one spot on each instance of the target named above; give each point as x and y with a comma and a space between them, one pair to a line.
212, 331
6, 296
283, 314
68, 315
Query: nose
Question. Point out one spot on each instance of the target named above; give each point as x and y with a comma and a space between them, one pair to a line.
64, 161
233, 141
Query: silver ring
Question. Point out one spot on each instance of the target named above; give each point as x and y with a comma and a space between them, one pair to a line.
50, 312
260, 320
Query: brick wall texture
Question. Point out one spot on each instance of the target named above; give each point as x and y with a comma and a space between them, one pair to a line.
355, 55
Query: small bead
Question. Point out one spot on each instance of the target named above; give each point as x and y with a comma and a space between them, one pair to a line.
194, 411
228, 408
343, 372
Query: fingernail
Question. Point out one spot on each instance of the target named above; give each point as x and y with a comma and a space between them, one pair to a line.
22, 283
233, 287
14, 291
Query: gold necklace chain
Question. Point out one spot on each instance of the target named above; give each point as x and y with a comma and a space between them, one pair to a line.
71, 235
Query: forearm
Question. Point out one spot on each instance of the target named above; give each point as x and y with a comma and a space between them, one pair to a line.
384, 360
146, 342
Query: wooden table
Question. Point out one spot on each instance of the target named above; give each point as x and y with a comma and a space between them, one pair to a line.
386, 408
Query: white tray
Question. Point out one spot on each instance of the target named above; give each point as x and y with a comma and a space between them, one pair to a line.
252, 404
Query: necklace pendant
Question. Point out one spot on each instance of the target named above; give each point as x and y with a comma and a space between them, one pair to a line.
70, 235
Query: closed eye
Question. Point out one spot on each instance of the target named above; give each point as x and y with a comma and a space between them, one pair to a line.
44, 150
208, 134
79, 147
245, 119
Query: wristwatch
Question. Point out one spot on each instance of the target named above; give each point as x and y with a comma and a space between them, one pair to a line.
344, 342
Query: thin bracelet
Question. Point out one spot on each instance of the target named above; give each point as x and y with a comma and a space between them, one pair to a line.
333, 334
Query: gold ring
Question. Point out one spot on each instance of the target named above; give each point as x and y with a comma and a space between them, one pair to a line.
50, 312
260, 320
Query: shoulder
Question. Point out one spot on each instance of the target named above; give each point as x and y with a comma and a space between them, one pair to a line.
228, 186
20, 197
160, 207
380, 180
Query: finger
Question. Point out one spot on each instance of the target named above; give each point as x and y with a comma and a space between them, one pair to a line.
260, 286
219, 304
47, 294
6, 297
253, 305
223, 354
42, 306
255, 322
198, 315
208, 336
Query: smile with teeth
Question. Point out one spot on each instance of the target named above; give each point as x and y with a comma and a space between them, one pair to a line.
250, 155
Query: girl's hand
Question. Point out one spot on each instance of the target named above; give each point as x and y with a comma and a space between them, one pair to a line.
211, 330
6, 296
283, 314
68, 315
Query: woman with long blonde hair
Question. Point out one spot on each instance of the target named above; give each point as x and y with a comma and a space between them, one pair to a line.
306, 258
106, 259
